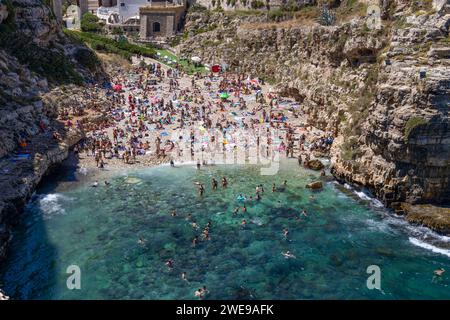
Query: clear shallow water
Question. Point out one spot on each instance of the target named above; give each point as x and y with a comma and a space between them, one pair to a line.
98, 230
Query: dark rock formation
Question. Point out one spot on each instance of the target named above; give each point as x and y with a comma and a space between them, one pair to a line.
315, 164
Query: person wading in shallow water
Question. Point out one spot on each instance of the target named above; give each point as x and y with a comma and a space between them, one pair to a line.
201, 189
224, 182
214, 184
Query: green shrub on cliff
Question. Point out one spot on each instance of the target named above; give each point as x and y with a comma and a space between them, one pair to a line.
90, 23
350, 149
257, 4
198, 8
104, 44
412, 123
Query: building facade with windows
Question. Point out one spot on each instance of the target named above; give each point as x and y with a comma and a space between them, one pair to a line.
161, 19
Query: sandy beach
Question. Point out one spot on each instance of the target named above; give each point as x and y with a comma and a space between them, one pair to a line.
161, 116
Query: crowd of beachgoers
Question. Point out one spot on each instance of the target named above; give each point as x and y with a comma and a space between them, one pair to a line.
156, 114
152, 114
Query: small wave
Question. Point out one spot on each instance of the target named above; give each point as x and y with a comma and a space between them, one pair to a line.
258, 222
50, 205
362, 195
377, 203
428, 246
382, 226
83, 170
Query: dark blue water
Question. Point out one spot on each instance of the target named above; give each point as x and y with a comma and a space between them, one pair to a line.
98, 230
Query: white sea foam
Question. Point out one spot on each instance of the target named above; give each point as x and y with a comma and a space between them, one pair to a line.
347, 186
83, 170
362, 195
376, 203
428, 246
50, 204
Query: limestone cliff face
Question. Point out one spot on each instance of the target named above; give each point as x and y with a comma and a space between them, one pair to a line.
383, 92
35, 59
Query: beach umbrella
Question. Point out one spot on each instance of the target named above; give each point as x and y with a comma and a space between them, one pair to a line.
117, 87
224, 95
196, 59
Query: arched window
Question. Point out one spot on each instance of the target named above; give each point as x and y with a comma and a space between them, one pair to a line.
156, 27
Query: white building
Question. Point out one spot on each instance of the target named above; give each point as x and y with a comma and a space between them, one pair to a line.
123, 12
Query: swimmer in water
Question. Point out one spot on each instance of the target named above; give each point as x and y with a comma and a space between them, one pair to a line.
194, 225
173, 213
288, 255
285, 232
199, 293
235, 211
195, 241
142, 241
169, 264
243, 223
274, 188
189, 216
95, 184
206, 234
184, 277
107, 183
198, 165
437, 275
439, 272
285, 183
311, 197
214, 184
244, 209
304, 213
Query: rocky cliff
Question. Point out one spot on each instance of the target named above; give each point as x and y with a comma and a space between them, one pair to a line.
35, 60
383, 88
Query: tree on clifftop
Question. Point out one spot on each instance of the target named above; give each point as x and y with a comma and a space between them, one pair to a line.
90, 23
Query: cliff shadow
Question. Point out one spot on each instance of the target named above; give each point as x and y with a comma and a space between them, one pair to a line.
32, 269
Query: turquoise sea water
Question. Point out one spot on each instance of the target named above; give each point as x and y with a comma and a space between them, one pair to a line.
98, 229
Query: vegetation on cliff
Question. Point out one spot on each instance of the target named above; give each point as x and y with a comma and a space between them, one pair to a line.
90, 23
51, 62
103, 44
412, 123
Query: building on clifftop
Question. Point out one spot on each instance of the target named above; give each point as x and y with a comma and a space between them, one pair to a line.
161, 19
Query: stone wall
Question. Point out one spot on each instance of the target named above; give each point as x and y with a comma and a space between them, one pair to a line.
169, 19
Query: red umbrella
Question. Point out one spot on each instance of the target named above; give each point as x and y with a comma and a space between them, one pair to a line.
117, 87
215, 68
